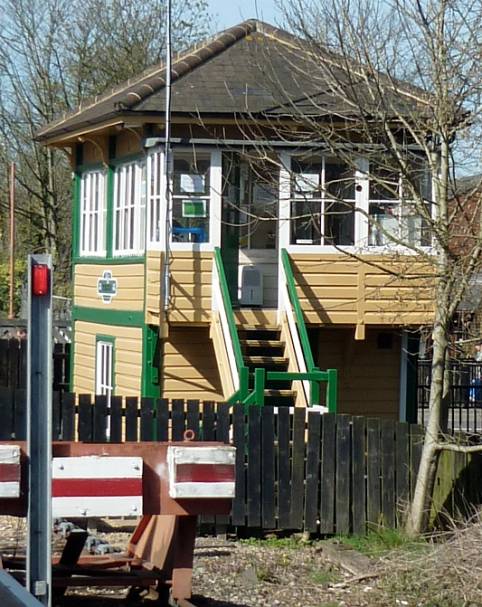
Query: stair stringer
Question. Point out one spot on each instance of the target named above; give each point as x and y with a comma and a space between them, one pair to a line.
289, 353
221, 354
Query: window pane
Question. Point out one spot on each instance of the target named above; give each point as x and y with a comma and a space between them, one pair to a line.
384, 224
307, 175
339, 180
305, 222
339, 222
384, 184
191, 173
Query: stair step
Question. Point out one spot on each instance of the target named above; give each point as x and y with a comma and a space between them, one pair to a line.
266, 360
262, 343
272, 392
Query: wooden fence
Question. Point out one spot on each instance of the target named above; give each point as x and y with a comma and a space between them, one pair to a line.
295, 470
13, 364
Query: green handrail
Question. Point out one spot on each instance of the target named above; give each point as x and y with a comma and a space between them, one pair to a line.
243, 372
295, 303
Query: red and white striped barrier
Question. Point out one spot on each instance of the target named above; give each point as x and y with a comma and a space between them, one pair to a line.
96, 486
201, 472
9, 471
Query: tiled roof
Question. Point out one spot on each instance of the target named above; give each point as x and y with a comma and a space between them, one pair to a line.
252, 68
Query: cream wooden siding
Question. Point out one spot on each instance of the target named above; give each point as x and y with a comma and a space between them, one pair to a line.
130, 286
127, 358
335, 289
189, 367
190, 273
154, 278
368, 377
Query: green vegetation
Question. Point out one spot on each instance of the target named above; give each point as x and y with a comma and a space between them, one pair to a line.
20, 267
383, 540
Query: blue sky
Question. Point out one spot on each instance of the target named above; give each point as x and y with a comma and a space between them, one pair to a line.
231, 12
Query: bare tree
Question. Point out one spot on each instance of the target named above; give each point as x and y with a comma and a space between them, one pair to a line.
53, 55
398, 83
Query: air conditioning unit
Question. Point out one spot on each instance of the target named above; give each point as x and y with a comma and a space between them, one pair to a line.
251, 286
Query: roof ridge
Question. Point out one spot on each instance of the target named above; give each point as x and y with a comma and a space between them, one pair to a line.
223, 40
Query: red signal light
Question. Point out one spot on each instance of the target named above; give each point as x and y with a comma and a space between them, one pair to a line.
40, 279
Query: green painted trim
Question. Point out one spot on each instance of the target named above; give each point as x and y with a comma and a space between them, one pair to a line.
151, 361
110, 261
412, 363
233, 332
332, 391
76, 215
300, 321
111, 340
106, 316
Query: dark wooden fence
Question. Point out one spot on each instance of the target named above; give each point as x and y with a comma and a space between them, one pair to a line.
296, 470
13, 364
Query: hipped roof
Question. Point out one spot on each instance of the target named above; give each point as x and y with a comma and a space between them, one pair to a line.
250, 69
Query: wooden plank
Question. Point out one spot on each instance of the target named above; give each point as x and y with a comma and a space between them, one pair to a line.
222, 422
20, 414
416, 446
238, 512
373, 471
100, 418
402, 467
268, 502
3, 363
342, 481
284, 471
85, 428
358, 446
327, 499
387, 443
177, 416
312, 471
6, 412
68, 416
131, 418
208, 421
147, 419
115, 419
298, 468
162, 420
13, 362
193, 417
254, 467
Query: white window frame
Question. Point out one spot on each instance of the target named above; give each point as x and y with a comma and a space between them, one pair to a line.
104, 368
92, 239
129, 209
214, 197
155, 199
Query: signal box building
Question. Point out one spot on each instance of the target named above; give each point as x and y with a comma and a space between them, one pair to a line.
272, 265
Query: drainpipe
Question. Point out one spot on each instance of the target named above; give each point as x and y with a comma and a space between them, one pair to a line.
167, 157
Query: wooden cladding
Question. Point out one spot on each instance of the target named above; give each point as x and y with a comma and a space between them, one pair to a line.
129, 288
373, 290
154, 282
190, 299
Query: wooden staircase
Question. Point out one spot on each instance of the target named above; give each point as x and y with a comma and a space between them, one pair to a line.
263, 349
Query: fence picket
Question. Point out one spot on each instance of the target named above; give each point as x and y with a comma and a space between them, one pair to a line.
147, 419
20, 413
115, 419
131, 418
254, 467
162, 420
298, 468
100, 418
284, 472
193, 417
238, 513
373, 471
342, 480
327, 502
402, 466
268, 514
68, 416
312, 472
358, 458
387, 444
6, 413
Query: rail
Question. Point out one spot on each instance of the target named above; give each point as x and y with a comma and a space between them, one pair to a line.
308, 373
223, 305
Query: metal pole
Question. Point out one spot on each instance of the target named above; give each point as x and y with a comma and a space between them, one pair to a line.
11, 312
167, 157
39, 436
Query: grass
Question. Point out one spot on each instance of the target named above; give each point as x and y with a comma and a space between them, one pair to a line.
383, 540
274, 542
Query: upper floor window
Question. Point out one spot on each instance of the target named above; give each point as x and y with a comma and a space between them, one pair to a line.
155, 195
191, 196
129, 209
398, 208
92, 213
322, 201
